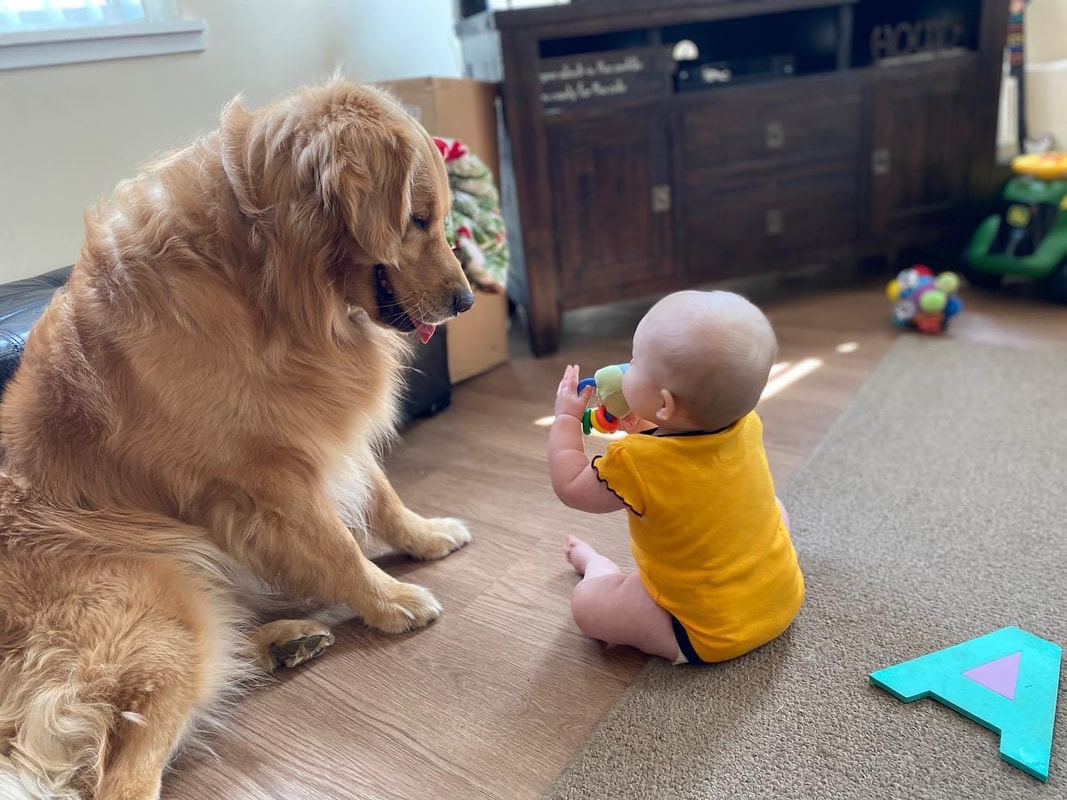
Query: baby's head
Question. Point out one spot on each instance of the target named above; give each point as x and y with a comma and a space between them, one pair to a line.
700, 361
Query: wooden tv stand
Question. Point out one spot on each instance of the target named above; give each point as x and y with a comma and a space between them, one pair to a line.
808, 131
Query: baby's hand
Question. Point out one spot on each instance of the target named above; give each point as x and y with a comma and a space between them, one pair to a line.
568, 401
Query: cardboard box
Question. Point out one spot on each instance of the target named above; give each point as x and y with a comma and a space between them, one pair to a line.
465, 110
454, 108
478, 340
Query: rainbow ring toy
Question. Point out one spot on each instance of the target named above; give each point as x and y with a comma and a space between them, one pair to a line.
608, 384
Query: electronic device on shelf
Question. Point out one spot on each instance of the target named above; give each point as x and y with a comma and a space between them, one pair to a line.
709, 73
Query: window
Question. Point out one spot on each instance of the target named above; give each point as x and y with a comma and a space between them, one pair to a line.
22, 15
36, 33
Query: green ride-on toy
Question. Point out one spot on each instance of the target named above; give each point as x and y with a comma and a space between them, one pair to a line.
1028, 237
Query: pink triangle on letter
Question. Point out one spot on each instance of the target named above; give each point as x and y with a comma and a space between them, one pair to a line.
999, 675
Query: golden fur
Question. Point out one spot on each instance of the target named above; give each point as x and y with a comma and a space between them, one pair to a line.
225, 354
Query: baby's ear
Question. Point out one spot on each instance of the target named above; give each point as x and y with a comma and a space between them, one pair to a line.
668, 406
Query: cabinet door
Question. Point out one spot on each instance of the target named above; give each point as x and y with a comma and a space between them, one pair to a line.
613, 203
919, 150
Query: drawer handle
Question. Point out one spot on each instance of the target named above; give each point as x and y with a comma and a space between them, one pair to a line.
775, 222
775, 135
661, 198
880, 161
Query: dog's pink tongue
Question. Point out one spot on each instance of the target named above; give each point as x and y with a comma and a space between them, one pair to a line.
425, 331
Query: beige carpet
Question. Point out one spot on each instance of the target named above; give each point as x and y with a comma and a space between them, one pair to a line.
932, 513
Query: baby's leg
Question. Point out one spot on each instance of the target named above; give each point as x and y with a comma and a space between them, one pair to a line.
616, 608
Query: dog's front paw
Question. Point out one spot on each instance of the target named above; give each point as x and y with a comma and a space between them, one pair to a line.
438, 537
402, 607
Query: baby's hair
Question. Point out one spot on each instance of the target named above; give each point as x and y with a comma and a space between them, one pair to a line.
717, 350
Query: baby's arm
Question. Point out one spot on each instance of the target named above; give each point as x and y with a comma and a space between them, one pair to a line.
573, 479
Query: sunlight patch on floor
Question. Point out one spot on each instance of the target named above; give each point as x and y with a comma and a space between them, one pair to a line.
546, 422
598, 435
781, 365
783, 375
790, 376
848, 347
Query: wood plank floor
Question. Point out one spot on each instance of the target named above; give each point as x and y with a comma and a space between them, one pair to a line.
494, 698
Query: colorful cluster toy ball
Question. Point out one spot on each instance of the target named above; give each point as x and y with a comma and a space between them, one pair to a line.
608, 383
924, 301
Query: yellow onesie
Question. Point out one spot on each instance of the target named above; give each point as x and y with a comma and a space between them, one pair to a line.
707, 535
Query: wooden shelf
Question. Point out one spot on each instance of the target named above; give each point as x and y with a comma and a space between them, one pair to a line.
632, 176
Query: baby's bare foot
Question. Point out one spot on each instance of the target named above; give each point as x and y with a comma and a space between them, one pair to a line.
579, 553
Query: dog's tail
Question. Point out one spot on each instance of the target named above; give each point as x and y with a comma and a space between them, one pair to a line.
60, 744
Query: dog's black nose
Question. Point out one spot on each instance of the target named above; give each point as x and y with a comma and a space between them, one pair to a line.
462, 301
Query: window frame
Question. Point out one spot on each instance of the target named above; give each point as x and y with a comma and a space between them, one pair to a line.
44, 47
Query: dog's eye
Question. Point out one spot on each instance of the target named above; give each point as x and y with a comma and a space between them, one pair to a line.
420, 222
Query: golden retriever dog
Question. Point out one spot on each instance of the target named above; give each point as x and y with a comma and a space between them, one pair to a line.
220, 369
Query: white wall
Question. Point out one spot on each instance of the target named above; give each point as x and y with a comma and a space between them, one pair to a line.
1046, 77
69, 133
1046, 29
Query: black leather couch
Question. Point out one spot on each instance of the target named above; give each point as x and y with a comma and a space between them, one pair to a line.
22, 302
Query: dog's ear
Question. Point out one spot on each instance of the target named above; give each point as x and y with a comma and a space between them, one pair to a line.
363, 172
242, 156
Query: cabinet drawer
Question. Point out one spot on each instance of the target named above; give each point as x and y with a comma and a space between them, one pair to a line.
768, 128
731, 232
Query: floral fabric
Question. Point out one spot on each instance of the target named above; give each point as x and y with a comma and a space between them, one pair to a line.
475, 228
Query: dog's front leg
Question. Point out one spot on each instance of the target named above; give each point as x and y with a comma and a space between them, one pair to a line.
304, 548
392, 522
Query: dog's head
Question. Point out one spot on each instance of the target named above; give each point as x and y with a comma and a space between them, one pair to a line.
350, 161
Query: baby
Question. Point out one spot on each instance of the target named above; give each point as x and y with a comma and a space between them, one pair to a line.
717, 575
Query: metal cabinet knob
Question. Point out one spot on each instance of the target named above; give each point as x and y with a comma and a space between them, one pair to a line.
880, 161
775, 135
661, 198
775, 222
